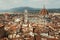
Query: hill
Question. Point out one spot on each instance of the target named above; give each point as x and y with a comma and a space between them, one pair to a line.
21, 9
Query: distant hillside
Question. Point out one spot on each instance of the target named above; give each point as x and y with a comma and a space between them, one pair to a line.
33, 10
21, 9
54, 10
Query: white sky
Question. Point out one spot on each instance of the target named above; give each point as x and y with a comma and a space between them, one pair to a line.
7, 4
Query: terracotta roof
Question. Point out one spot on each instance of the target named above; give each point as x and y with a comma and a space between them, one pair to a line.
1, 25
43, 11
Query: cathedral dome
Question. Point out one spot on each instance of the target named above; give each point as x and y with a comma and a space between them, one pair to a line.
44, 11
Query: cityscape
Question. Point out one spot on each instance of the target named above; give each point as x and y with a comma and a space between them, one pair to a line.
28, 23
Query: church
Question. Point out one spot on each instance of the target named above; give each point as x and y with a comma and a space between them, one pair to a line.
40, 18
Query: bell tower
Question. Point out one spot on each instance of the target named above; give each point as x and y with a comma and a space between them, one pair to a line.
25, 16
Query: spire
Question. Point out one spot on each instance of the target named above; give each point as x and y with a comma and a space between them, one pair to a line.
25, 16
44, 6
26, 11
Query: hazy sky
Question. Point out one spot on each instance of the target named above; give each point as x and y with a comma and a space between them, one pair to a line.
7, 4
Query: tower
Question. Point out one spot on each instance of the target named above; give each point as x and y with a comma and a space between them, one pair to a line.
6, 16
25, 16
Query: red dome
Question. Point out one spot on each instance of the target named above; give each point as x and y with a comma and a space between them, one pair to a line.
43, 12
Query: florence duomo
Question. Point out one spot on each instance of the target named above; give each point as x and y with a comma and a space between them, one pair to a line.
29, 19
